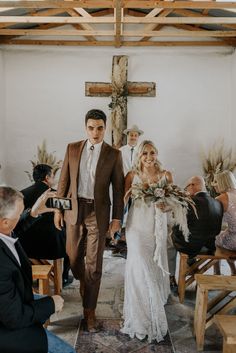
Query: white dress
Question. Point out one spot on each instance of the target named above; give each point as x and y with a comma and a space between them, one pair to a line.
146, 283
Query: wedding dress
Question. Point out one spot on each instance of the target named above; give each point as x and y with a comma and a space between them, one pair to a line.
146, 281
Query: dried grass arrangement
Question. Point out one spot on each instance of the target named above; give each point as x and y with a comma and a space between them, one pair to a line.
43, 157
216, 160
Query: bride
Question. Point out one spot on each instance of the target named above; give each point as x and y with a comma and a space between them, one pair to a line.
146, 280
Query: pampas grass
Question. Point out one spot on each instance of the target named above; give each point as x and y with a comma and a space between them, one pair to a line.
216, 160
43, 157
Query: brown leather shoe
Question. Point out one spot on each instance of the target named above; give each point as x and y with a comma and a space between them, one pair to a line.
90, 318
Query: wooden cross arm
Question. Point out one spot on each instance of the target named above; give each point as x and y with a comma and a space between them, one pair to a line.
142, 89
98, 89
135, 89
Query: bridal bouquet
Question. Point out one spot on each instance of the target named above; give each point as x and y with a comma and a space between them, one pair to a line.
172, 196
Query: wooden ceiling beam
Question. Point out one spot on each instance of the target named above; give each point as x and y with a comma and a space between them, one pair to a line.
118, 25
150, 4
155, 27
195, 28
75, 18
178, 4
177, 20
81, 26
203, 33
49, 12
125, 43
71, 32
190, 13
58, 4
61, 32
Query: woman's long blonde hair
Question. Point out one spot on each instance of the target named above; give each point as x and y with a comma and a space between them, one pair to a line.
225, 181
137, 168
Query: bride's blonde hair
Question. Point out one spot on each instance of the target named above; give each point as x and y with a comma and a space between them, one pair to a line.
137, 168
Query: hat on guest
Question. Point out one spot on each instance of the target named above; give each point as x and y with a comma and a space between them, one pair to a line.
133, 128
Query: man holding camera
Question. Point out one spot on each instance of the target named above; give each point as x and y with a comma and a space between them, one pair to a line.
43, 240
89, 168
21, 315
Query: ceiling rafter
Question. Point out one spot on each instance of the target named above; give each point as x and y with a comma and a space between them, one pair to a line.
118, 26
78, 13
150, 4
118, 22
161, 13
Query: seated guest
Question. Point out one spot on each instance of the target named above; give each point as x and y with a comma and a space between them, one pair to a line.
204, 226
43, 240
21, 316
225, 185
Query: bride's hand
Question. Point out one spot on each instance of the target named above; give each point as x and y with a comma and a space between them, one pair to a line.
163, 207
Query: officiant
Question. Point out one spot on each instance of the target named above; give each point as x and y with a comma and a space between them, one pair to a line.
129, 151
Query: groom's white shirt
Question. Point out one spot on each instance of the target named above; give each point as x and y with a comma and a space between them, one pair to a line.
87, 170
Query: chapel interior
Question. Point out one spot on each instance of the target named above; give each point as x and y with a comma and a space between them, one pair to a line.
177, 60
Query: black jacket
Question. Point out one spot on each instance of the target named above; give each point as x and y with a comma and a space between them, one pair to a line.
203, 229
21, 317
42, 240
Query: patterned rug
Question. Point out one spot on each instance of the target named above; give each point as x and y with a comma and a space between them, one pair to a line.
110, 340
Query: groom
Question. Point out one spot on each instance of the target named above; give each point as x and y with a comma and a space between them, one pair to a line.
89, 168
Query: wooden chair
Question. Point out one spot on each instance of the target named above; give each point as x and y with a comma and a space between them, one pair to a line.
42, 274
55, 274
226, 325
222, 303
202, 264
230, 258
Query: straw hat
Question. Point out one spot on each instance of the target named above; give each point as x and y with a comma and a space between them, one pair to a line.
133, 128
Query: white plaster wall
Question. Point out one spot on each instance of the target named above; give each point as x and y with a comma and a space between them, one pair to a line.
233, 97
2, 116
45, 99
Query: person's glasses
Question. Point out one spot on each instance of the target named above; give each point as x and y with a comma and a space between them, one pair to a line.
191, 184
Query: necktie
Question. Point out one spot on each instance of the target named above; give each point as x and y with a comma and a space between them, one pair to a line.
132, 151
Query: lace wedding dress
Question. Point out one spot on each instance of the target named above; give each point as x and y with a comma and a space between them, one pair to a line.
146, 281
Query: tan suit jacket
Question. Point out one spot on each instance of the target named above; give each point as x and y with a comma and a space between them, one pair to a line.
109, 171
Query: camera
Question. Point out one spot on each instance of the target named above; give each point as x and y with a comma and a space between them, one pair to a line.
59, 202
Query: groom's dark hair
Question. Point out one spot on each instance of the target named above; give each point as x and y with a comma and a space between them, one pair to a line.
95, 114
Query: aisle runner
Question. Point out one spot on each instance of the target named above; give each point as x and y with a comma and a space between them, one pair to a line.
110, 340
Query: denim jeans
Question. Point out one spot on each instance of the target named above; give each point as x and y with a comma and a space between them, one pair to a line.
56, 344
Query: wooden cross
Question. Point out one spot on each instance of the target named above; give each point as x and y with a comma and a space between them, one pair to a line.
119, 89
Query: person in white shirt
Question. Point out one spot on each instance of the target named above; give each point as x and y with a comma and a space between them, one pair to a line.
90, 167
129, 151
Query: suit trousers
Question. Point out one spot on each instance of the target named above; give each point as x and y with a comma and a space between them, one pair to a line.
85, 246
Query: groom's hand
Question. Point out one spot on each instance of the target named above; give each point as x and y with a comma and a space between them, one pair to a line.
114, 226
58, 219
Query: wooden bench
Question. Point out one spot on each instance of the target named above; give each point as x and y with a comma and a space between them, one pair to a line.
55, 274
227, 325
42, 274
205, 309
202, 264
